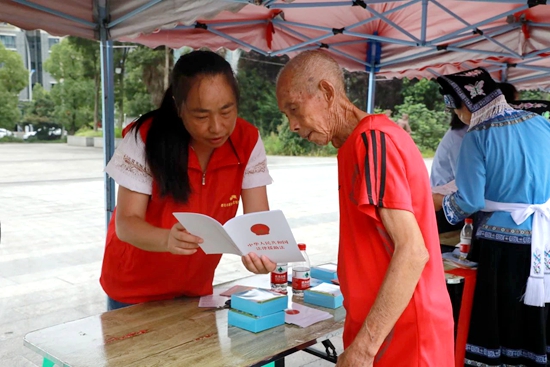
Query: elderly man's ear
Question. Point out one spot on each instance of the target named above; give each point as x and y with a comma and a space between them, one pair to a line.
328, 91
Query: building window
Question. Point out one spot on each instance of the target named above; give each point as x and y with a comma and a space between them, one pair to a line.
52, 42
8, 41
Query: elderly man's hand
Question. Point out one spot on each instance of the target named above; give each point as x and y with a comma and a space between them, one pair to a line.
353, 356
258, 265
438, 201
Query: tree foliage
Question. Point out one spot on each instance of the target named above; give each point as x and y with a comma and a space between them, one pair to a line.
151, 65
428, 126
423, 91
41, 109
91, 63
258, 103
13, 78
74, 93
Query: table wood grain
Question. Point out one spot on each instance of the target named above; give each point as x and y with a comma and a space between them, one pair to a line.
174, 333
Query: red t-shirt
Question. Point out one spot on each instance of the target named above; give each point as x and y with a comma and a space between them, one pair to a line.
380, 166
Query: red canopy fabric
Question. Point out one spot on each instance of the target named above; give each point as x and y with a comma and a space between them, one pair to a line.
417, 38
124, 17
508, 38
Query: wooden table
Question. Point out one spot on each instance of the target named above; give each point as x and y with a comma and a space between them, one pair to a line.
174, 333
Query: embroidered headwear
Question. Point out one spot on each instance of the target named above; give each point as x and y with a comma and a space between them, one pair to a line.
536, 106
476, 90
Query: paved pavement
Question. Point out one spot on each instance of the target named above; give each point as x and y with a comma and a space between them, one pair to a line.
52, 217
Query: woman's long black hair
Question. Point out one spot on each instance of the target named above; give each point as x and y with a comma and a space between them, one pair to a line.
167, 143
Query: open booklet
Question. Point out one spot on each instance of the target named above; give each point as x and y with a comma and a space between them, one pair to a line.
264, 233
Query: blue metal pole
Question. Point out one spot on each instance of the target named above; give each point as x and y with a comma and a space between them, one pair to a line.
527, 78
372, 91
60, 14
133, 13
236, 40
372, 77
108, 112
470, 26
424, 24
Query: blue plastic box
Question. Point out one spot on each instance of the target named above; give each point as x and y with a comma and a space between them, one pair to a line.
253, 323
259, 302
326, 272
324, 295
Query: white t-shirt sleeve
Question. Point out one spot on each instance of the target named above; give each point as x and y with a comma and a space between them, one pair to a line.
256, 173
128, 166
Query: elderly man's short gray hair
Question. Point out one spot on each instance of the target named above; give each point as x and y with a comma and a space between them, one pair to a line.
310, 67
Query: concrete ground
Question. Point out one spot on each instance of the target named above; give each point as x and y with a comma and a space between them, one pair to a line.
53, 228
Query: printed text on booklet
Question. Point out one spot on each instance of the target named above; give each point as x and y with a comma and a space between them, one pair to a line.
264, 233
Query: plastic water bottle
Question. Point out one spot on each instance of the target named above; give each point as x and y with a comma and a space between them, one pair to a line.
279, 278
466, 238
301, 273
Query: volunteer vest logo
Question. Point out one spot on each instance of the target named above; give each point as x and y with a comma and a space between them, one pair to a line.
233, 200
259, 229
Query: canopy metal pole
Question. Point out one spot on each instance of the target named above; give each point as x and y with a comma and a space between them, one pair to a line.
372, 60
108, 111
372, 91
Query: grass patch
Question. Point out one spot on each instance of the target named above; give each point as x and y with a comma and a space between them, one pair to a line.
11, 139
428, 153
90, 133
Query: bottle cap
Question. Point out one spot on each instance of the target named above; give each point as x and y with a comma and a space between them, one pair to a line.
302, 246
468, 220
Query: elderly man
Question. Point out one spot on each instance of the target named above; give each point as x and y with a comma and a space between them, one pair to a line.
389, 266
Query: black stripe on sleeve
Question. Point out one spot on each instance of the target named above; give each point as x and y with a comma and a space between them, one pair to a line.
374, 158
367, 168
382, 168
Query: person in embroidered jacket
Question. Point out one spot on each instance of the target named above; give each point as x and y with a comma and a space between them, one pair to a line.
192, 154
398, 311
446, 156
503, 168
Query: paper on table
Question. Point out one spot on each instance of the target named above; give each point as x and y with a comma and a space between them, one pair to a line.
446, 189
305, 316
328, 267
454, 258
235, 289
213, 300
328, 288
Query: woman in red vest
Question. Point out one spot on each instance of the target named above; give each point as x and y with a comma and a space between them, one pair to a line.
193, 154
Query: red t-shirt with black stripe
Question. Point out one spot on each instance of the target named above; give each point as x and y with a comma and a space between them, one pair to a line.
379, 165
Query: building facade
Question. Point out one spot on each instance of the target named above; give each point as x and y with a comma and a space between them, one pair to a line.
34, 48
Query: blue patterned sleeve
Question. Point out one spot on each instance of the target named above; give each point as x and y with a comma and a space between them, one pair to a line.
470, 180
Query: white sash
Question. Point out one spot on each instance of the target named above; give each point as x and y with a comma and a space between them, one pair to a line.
538, 285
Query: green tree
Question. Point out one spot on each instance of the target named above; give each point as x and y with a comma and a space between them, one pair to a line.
13, 78
41, 109
534, 94
149, 67
91, 63
74, 93
428, 126
423, 91
258, 103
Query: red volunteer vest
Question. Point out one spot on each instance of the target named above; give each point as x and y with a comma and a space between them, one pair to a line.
132, 275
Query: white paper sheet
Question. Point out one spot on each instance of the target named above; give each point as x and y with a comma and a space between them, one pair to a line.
306, 316
214, 301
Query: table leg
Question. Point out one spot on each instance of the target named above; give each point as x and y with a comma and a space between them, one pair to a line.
47, 363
